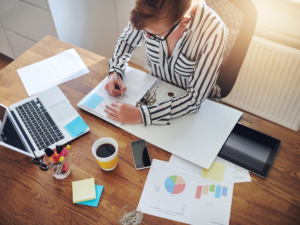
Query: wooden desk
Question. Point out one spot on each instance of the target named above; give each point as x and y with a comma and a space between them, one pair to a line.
31, 196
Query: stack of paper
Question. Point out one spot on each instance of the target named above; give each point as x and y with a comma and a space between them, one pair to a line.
85, 192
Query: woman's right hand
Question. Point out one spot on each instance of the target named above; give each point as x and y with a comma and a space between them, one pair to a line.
112, 84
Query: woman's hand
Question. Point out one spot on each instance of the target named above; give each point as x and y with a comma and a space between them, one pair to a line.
124, 113
112, 84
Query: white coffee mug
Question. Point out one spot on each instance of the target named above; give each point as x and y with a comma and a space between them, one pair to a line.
107, 163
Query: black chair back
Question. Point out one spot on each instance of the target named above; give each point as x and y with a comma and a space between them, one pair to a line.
240, 17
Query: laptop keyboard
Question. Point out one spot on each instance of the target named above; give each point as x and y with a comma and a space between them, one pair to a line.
10, 135
39, 123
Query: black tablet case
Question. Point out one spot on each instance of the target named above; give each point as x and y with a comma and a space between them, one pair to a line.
250, 149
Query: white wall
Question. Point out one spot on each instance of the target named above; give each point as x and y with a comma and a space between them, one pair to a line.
22, 24
94, 25
123, 8
89, 24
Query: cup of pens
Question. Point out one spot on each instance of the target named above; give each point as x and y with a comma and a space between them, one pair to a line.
58, 160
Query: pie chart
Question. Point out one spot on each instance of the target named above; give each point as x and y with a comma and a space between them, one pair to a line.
175, 184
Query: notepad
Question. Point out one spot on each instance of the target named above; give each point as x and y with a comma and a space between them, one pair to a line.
94, 202
76, 127
83, 190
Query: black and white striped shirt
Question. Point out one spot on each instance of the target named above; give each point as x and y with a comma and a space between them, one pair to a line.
194, 64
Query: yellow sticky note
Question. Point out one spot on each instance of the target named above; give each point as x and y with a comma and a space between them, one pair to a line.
215, 172
83, 190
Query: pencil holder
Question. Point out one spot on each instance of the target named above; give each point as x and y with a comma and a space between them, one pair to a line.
62, 169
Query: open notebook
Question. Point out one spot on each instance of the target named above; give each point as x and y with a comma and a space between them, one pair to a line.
197, 138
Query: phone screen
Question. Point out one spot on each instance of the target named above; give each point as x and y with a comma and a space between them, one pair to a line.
140, 154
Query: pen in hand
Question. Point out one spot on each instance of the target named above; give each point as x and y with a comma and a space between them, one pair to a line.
117, 78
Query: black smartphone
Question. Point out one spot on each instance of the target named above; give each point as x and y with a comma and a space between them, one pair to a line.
140, 154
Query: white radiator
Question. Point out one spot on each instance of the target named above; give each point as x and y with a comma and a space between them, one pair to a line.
268, 84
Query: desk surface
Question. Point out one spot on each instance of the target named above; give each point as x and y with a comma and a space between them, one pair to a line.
31, 196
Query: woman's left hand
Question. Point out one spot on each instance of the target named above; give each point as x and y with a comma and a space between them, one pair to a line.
123, 113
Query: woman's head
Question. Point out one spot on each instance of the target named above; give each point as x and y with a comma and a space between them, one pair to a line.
158, 15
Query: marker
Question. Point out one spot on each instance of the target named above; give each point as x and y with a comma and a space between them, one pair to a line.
68, 147
61, 162
51, 157
59, 148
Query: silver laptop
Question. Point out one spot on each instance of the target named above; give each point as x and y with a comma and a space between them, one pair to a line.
37, 122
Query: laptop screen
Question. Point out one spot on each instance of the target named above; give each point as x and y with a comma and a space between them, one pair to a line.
8, 133
2, 113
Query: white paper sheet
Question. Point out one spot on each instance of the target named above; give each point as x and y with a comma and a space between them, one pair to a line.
184, 166
234, 173
53, 71
137, 84
206, 129
185, 202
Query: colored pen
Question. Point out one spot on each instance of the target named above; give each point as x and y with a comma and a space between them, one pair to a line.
51, 157
68, 147
59, 148
61, 162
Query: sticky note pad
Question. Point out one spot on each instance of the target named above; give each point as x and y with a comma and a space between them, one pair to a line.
76, 127
93, 100
215, 172
83, 190
94, 202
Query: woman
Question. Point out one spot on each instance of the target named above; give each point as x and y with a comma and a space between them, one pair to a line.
185, 41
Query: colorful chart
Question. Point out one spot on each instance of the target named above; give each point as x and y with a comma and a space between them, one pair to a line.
175, 184
212, 188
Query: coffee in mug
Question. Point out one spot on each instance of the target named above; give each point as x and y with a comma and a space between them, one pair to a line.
105, 150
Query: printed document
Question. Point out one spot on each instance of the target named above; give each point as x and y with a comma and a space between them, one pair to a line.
180, 197
137, 84
216, 173
53, 71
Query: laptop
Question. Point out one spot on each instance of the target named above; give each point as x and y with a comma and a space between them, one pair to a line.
37, 122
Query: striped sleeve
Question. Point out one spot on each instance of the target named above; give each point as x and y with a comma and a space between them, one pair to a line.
129, 40
201, 83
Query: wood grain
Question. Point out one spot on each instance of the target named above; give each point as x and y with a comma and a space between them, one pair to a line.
31, 196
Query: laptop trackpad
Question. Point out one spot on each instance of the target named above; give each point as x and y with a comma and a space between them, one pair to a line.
62, 110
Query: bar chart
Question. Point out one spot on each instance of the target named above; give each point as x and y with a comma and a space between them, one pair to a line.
177, 196
217, 190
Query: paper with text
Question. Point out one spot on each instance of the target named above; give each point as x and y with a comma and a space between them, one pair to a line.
235, 174
137, 84
180, 197
53, 71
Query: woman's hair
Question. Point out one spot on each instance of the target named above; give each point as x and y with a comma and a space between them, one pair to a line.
148, 12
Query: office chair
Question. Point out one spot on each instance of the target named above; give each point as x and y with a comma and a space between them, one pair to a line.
240, 17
